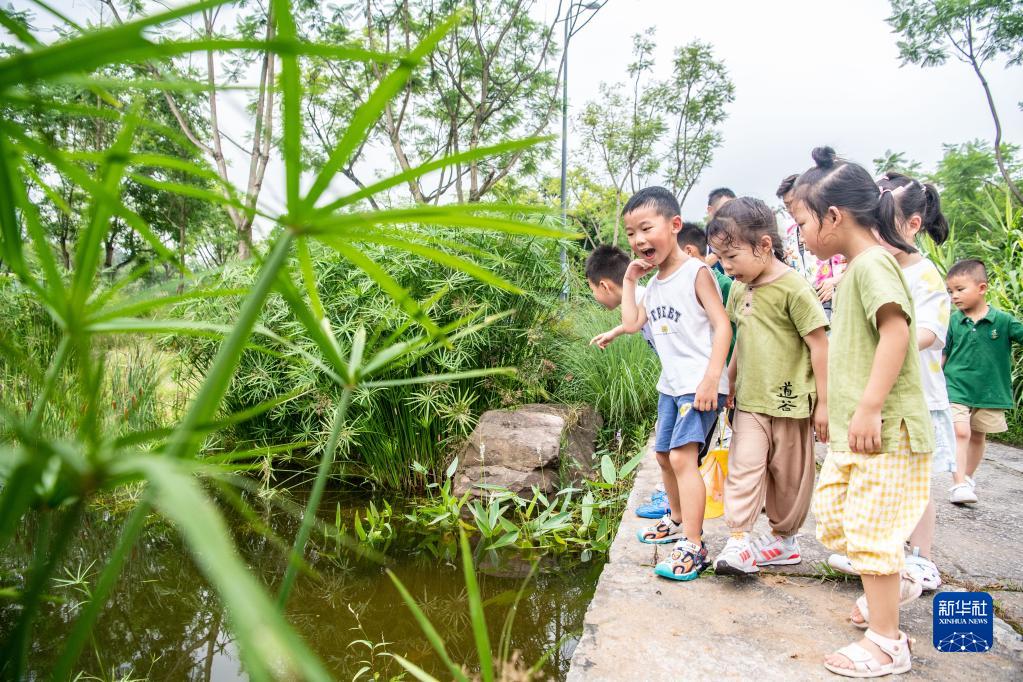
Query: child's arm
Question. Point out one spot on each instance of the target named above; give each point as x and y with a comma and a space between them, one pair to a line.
706, 397
817, 342
925, 338
733, 374
602, 340
1016, 331
893, 330
633, 315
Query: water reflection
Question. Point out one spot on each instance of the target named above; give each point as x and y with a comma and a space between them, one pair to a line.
164, 622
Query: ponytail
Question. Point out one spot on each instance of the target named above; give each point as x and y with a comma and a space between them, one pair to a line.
913, 197
887, 222
934, 222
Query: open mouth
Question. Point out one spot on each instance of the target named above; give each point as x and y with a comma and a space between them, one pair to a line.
648, 253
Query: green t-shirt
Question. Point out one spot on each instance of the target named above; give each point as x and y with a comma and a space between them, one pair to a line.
872, 280
978, 365
725, 284
775, 376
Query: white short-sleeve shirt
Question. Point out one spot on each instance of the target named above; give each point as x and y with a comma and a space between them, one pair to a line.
932, 308
681, 330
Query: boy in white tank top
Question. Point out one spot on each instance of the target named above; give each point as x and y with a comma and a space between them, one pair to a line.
691, 335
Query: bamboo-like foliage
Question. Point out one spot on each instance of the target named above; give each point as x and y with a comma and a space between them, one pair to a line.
55, 474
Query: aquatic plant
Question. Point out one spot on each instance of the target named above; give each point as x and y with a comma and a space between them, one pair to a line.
52, 474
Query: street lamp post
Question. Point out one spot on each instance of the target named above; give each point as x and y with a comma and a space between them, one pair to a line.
574, 9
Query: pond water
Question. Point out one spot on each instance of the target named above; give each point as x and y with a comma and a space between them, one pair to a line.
164, 622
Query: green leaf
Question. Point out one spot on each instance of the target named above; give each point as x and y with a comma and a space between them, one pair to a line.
264, 635
607, 469
479, 623
632, 463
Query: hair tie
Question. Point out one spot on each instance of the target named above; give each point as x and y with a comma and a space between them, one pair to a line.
882, 193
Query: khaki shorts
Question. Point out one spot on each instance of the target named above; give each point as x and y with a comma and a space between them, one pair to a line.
980, 419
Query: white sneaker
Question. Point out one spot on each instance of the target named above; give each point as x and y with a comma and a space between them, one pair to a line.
736, 558
923, 571
973, 483
841, 563
774, 550
962, 494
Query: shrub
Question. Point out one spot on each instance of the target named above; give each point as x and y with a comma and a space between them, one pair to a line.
392, 427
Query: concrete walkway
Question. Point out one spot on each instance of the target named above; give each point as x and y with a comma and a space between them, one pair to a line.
778, 626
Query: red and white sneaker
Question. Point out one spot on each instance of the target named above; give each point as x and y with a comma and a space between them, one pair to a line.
774, 550
736, 558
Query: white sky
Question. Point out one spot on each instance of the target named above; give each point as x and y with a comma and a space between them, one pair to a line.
806, 73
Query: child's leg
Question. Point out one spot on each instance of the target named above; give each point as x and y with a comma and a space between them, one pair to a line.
692, 491
975, 451
747, 467
670, 486
961, 424
790, 476
887, 495
882, 593
923, 535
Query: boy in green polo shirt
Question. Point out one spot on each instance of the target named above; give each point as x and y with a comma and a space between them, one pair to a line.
978, 371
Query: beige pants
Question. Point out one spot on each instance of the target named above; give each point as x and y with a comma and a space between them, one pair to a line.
769, 457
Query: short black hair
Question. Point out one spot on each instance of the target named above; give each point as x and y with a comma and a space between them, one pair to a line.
607, 262
692, 234
970, 267
719, 193
786, 185
659, 198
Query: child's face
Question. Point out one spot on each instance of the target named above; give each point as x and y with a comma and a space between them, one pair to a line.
607, 293
966, 293
819, 236
651, 235
740, 260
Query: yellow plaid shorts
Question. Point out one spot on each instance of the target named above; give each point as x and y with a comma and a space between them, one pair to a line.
867, 505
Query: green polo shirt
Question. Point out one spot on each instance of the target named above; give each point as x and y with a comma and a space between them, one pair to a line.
725, 282
978, 359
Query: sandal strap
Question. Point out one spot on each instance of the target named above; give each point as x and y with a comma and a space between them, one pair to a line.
862, 660
892, 647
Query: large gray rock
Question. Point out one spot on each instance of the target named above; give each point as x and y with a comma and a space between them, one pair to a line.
547, 446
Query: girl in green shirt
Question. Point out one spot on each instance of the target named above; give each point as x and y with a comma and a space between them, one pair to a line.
777, 376
875, 482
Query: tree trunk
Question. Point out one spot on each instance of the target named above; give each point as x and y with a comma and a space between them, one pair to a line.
998, 134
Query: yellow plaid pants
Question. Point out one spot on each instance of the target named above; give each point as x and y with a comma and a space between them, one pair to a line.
867, 505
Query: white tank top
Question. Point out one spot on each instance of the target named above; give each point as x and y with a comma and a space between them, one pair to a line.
681, 330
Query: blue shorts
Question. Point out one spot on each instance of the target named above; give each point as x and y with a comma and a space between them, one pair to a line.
944, 457
678, 423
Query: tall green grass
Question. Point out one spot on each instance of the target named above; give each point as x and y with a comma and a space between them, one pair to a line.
620, 381
53, 475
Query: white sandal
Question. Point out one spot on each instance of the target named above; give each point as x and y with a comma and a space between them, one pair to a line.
864, 663
909, 589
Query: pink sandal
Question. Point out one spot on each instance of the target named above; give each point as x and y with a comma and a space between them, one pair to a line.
864, 663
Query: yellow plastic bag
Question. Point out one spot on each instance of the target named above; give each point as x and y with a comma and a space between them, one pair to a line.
714, 469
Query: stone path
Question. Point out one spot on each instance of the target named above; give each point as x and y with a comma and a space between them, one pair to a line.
779, 625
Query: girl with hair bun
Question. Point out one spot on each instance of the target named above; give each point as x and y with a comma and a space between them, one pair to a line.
918, 210
875, 482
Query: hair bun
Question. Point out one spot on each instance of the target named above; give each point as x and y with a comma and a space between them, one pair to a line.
824, 157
